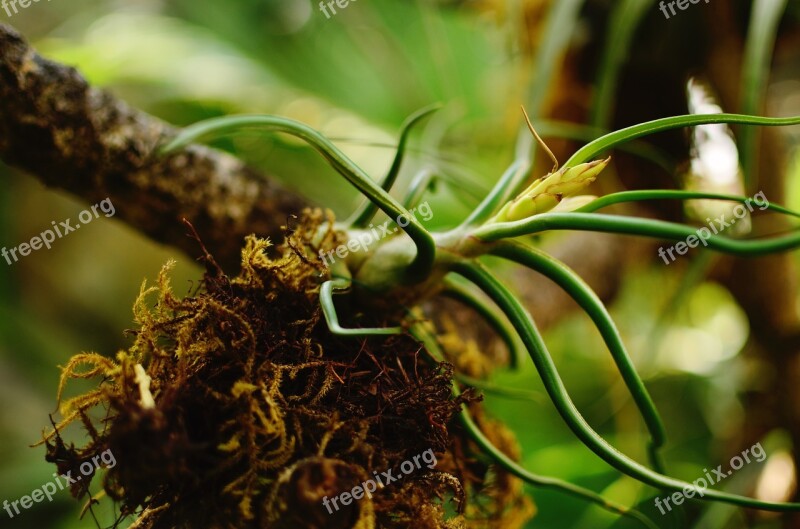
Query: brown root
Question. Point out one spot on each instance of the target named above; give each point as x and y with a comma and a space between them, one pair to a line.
235, 407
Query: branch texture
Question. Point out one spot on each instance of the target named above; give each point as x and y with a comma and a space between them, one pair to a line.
84, 140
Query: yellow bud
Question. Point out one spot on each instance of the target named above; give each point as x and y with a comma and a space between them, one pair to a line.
546, 193
573, 203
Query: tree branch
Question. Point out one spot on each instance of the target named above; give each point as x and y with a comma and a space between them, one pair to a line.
84, 140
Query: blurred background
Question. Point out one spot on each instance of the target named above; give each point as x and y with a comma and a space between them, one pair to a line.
714, 338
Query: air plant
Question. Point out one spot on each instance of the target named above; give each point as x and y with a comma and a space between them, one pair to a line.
416, 264
238, 384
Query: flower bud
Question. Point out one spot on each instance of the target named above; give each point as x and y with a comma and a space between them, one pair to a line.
547, 192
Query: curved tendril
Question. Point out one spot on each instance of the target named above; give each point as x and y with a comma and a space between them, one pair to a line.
671, 194
426, 247
332, 319
587, 133
555, 388
595, 148
583, 294
657, 229
422, 333
460, 290
500, 193
422, 182
536, 480
368, 210
501, 391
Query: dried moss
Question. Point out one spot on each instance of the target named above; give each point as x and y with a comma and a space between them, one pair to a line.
236, 408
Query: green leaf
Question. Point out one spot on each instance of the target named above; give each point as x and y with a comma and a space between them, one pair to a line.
676, 194
594, 149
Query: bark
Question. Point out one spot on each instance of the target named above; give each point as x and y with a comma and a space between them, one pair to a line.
84, 140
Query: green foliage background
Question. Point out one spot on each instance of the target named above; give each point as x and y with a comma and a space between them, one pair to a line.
355, 77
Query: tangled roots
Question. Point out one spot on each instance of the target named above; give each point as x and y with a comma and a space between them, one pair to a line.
235, 407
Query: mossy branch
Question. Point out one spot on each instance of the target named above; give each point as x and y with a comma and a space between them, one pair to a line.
72, 136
